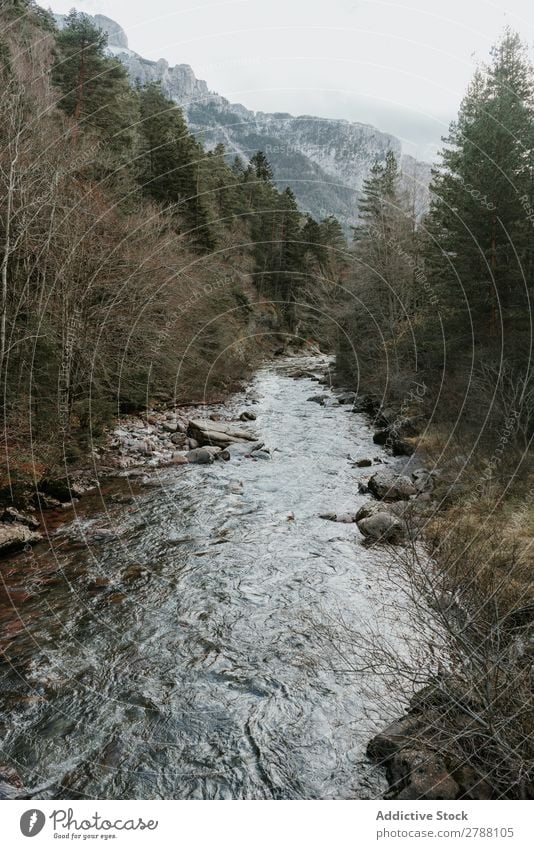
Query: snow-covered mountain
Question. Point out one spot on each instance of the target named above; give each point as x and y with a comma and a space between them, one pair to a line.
324, 161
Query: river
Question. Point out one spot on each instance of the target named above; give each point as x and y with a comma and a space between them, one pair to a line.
185, 658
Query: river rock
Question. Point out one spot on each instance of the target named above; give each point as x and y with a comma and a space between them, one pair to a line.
423, 479
178, 460
363, 464
319, 399
14, 535
10, 782
343, 518
390, 487
206, 454
10, 514
385, 417
399, 509
219, 434
248, 416
381, 436
170, 426
382, 527
101, 535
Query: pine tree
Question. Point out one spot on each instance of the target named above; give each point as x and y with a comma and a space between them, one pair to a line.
94, 88
289, 255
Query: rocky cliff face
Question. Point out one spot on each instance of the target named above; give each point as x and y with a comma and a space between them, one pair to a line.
323, 161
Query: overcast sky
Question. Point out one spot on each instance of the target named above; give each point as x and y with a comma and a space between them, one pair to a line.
402, 66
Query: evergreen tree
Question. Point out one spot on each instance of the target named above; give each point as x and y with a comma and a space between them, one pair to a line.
261, 167
170, 163
94, 88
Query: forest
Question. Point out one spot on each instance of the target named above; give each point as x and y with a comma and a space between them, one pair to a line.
139, 268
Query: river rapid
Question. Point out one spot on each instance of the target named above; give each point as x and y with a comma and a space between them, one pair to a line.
184, 656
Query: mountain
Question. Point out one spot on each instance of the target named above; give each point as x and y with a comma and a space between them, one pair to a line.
324, 161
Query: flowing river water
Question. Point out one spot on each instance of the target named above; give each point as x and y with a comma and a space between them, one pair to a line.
182, 658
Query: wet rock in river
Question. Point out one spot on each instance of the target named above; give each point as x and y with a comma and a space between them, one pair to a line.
401, 733
248, 416
422, 774
221, 435
319, 399
14, 535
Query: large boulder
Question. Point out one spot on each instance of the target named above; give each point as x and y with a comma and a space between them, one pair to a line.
390, 487
14, 535
382, 527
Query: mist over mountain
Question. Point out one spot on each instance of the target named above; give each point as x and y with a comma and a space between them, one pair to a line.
324, 161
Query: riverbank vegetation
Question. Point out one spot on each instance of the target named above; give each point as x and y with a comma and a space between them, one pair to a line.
135, 264
438, 331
